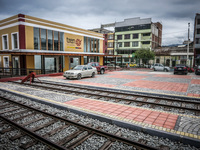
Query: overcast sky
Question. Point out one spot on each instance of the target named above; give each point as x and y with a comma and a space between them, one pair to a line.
87, 14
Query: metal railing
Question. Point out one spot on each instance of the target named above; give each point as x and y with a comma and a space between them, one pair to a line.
16, 72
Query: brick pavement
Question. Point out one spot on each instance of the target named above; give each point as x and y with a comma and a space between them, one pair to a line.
184, 125
161, 119
166, 86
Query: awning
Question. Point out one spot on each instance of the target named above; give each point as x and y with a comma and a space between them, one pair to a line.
48, 52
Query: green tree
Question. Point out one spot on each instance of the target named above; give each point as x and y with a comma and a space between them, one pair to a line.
145, 55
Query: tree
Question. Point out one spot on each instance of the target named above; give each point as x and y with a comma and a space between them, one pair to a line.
145, 55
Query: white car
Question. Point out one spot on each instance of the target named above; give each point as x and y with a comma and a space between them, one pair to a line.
80, 71
160, 67
112, 66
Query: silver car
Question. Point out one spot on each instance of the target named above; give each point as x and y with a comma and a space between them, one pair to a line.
80, 71
160, 67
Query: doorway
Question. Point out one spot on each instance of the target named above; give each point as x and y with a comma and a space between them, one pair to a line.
6, 63
16, 65
51, 64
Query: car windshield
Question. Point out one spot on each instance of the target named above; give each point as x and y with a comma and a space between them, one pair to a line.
78, 68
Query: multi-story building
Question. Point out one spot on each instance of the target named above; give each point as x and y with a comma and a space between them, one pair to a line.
197, 39
134, 34
33, 43
108, 44
170, 56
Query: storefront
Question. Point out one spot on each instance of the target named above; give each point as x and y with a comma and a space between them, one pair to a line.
30, 43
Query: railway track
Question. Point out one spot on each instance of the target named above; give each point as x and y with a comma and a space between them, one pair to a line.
54, 131
165, 103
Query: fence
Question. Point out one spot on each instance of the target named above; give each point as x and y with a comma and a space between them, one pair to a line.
15, 72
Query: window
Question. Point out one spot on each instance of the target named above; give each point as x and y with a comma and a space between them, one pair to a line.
133, 27
126, 44
197, 41
15, 43
198, 31
134, 44
61, 41
110, 44
110, 36
5, 61
119, 37
5, 41
36, 38
127, 36
126, 59
89, 67
198, 21
50, 40
135, 36
146, 42
38, 61
146, 34
55, 40
84, 68
43, 39
119, 44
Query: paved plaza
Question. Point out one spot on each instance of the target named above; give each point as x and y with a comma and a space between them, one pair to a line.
137, 81
145, 81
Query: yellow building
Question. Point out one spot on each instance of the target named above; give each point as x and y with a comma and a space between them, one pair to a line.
33, 44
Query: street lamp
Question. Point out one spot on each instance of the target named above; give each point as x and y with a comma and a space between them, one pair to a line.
188, 43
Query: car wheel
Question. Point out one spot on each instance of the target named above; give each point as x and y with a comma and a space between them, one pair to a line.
67, 78
101, 71
174, 73
154, 69
165, 70
79, 76
93, 74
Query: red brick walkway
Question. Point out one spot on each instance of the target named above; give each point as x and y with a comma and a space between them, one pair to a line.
157, 118
195, 81
158, 85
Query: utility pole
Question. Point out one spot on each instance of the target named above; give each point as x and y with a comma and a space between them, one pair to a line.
188, 44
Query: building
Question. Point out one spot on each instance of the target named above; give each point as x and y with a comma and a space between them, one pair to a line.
170, 56
197, 39
30, 43
108, 43
134, 34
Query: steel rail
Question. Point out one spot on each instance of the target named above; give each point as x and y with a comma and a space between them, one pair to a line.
80, 126
121, 98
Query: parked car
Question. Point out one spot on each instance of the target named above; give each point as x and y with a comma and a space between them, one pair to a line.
133, 65
80, 71
100, 69
197, 70
190, 69
180, 68
160, 67
112, 66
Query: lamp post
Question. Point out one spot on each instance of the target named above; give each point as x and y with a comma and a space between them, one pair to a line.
188, 43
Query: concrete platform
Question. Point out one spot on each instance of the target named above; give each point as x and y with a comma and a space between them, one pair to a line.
185, 128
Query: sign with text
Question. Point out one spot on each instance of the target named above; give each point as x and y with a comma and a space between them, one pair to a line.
73, 42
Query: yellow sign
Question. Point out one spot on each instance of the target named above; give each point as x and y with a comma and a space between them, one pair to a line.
73, 42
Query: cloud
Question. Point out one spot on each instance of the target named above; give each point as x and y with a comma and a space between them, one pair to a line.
173, 14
